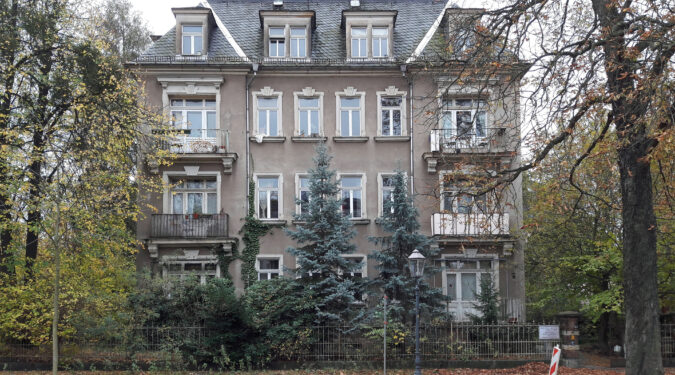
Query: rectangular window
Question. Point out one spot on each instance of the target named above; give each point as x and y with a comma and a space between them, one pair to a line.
464, 203
192, 40
380, 42
303, 194
351, 192
277, 42
464, 121
268, 268
358, 269
391, 115
268, 116
194, 196
298, 42
196, 117
387, 193
203, 270
463, 278
308, 113
358, 40
350, 116
268, 197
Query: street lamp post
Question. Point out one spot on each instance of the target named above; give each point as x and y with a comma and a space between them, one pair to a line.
416, 264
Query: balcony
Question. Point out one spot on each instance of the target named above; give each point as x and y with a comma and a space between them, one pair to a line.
201, 145
190, 226
449, 142
469, 225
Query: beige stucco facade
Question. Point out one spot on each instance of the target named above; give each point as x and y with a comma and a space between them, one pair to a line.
239, 156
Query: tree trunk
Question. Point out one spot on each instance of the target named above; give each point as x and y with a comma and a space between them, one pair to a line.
643, 336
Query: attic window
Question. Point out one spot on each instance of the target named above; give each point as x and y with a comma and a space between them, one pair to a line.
369, 33
192, 39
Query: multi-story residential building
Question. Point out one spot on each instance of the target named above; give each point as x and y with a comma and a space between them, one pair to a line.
257, 84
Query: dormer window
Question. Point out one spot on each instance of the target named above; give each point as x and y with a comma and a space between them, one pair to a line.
287, 33
192, 30
192, 39
277, 42
369, 33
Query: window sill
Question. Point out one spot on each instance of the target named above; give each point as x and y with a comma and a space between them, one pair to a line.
274, 222
298, 222
301, 139
268, 139
350, 139
392, 138
360, 221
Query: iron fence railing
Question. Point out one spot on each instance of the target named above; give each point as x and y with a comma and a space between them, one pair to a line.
668, 341
457, 341
194, 141
189, 226
451, 342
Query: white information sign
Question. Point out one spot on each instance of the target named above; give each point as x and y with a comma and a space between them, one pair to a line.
551, 332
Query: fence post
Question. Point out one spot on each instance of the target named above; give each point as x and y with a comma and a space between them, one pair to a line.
569, 336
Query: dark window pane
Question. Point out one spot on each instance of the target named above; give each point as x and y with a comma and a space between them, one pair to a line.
269, 264
274, 204
385, 122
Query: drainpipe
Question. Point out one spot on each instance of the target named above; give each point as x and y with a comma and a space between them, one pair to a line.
404, 69
249, 80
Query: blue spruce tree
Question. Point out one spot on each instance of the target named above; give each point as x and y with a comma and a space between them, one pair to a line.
322, 239
399, 221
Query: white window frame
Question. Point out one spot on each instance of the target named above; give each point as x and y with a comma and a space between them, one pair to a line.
293, 38
280, 190
452, 131
307, 93
493, 272
380, 190
279, 271
298, 189
364, 263
380, 39
189, 172
268, 92
166, 261
185, 192
277, 40
192, 36
488, 199
364, 214
184, 109
350, 92
362, 54
392, 91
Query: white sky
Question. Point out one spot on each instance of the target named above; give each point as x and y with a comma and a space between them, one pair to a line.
160, 19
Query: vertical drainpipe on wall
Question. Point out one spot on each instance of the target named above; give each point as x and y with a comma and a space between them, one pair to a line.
249, 80
412, 136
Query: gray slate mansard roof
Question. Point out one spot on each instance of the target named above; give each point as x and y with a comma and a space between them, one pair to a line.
241, 18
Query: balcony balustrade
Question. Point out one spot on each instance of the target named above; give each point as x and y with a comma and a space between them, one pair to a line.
189, 226
469, 225
451, 139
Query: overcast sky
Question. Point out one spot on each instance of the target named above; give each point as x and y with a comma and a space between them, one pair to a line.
160, 19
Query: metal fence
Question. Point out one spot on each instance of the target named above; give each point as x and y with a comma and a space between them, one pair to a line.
189, 225
451, 342
457, 341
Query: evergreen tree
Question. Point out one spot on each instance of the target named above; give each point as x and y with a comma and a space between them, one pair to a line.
322, 240
399, 220
487, 302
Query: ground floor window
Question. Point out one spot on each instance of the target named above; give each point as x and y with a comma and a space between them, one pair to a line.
182, 269
269, 267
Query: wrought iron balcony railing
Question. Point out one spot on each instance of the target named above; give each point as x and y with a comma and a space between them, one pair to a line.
197, 141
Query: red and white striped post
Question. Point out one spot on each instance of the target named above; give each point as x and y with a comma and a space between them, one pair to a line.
555, 361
